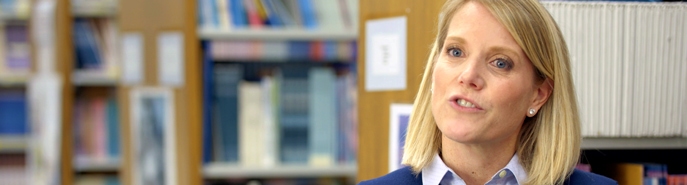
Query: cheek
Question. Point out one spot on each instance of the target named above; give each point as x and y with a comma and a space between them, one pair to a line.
513, 99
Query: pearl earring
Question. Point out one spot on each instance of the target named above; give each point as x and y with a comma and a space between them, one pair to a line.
532, 111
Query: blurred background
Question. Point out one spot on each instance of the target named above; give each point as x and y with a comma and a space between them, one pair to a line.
107, 92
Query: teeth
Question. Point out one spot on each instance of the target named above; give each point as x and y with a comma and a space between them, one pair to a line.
464, 103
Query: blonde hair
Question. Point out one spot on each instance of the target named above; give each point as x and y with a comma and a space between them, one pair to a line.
548, 143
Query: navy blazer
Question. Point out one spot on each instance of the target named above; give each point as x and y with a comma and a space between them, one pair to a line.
405, 176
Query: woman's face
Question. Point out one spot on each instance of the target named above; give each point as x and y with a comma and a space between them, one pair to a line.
483, 83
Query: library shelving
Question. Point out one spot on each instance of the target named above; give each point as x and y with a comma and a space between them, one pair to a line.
219, 171
286, 55
13, 144
15, 70
657, 143
287, 34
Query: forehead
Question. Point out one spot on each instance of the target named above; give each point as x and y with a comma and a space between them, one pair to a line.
474, 23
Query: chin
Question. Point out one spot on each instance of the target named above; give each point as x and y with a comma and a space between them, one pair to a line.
460, 132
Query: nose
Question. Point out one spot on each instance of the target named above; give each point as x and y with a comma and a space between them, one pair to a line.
470, 76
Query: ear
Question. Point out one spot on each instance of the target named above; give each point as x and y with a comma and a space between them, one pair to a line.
542, 95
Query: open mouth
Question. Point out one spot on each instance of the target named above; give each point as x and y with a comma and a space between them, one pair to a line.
465, 103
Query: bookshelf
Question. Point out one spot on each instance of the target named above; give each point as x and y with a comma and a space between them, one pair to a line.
290, 65
13, 144
15, 69
277, 34
111, 166
219, 171
95, 82
634, 143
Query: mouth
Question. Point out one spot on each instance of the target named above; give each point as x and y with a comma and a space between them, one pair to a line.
464, 103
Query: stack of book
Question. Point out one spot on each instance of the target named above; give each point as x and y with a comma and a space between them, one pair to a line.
95, 42
15, 53
13, 112
333, 15
284, 51
298, 115
628, 66
96, 129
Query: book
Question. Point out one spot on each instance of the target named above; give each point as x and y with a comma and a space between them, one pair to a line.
293, 115
13, 112
96, 127
223, 16
640, 173
225, 112
322, 138
87, 50
16, 53
329, 14
251, 140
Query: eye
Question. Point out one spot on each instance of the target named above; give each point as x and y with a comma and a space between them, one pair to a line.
455, 52
502, 63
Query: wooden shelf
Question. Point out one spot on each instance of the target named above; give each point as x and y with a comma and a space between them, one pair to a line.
95, 11
97, 167
286, 34
13, 144
5, 16
92, 78
634, 143
18, 79
223, 171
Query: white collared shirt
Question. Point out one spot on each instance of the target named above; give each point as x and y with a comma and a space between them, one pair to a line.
437, 173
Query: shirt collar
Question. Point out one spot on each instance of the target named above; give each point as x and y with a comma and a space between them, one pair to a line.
437, 171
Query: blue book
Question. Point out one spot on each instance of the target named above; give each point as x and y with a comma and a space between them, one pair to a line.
113, 148
308, 14
272, 14
112, 180
13, 112
238, 13
227, 78
293, 116
86, 49
207, 14
299, 50
208, 95
322, 103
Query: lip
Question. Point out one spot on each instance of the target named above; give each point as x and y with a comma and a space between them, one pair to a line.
454, 104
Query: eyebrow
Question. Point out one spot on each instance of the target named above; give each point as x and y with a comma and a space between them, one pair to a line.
508, 51
458, 39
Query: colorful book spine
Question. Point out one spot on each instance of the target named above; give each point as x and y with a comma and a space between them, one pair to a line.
225, 111
293, 120
251, 140
322, 104
13, 112
17, 50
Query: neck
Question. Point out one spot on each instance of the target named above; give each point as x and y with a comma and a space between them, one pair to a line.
477, 163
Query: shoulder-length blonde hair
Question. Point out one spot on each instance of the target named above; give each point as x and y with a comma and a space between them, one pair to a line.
548, 143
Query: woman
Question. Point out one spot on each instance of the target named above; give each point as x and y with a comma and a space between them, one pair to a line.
496, 104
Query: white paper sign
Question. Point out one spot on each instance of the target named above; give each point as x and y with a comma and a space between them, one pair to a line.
132, 58
170, 57
385, 59
385, 56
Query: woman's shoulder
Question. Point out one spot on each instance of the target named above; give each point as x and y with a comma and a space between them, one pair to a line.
582, 177
403, 176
